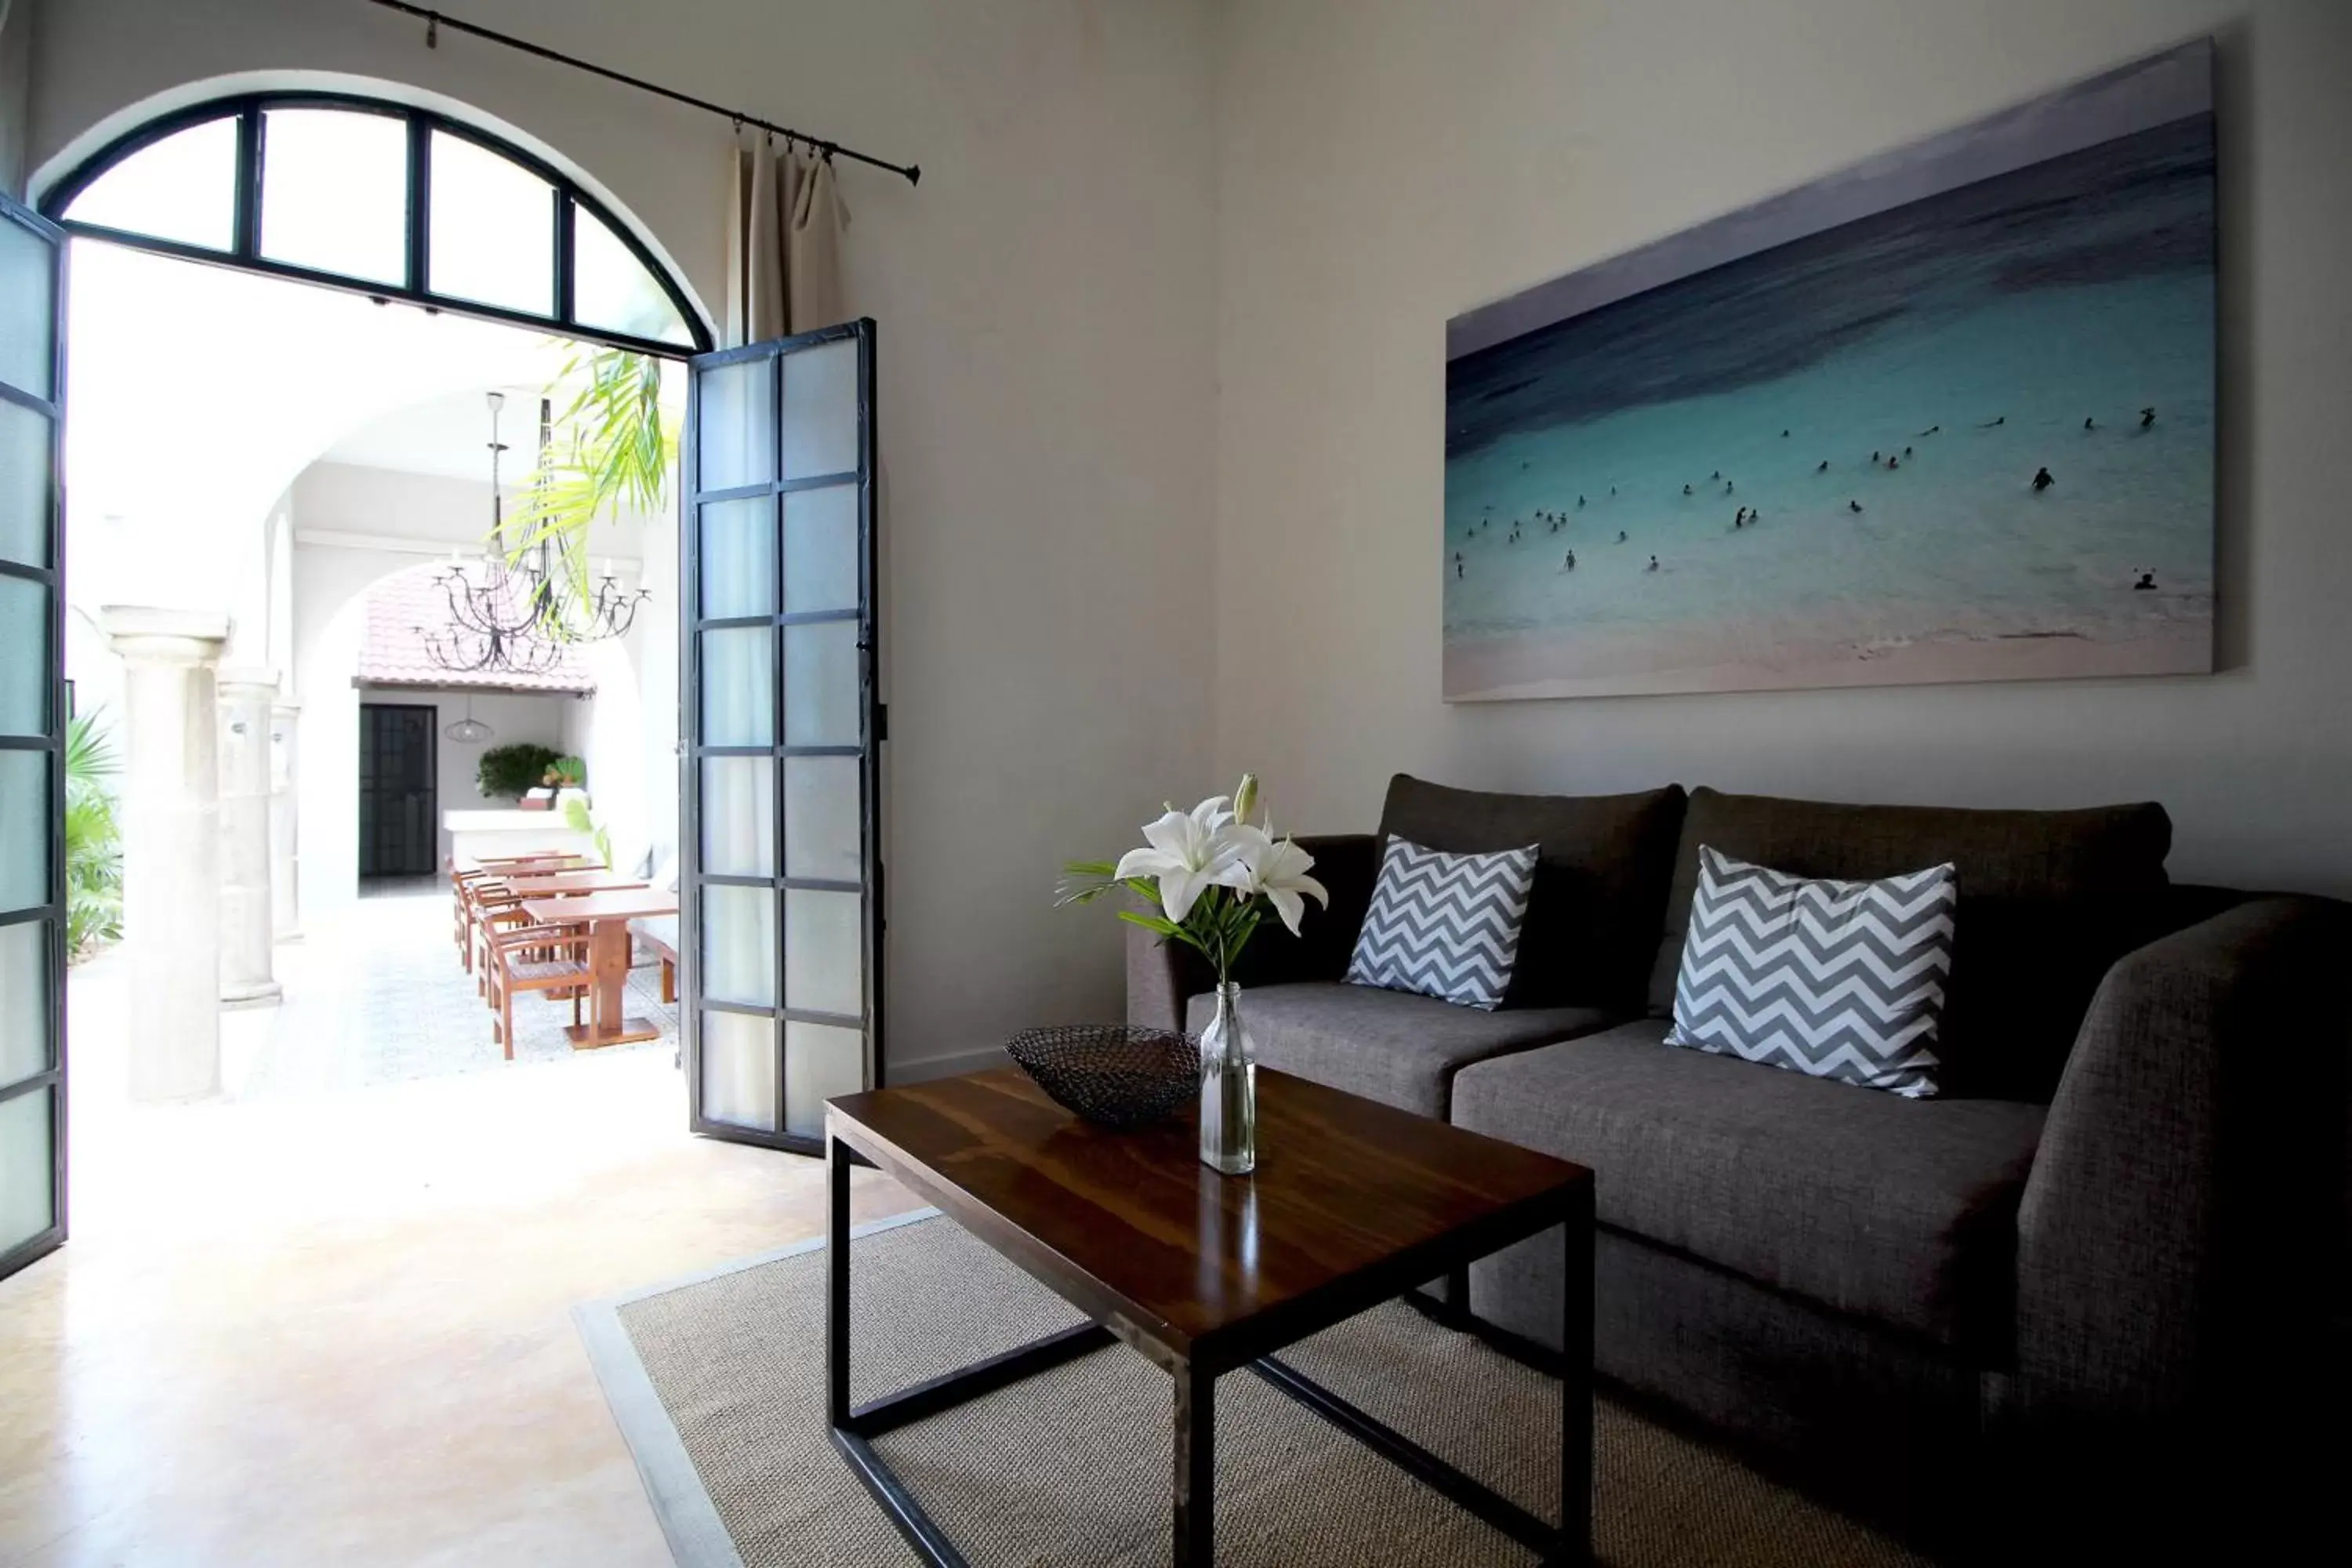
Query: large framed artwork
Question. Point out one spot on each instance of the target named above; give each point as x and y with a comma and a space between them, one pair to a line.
1947, 416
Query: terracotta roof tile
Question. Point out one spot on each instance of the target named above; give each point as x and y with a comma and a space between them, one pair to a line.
394, 653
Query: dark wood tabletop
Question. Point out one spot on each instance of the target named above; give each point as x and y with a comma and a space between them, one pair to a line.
1133, 1228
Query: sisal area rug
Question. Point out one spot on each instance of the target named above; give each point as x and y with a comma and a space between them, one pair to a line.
718, 1385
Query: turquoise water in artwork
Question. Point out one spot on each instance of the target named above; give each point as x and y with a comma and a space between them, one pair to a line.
1936, 359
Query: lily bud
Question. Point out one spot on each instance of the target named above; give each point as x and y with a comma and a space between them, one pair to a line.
1245, 798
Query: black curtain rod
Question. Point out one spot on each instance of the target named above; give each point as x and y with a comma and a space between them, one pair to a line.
434, 21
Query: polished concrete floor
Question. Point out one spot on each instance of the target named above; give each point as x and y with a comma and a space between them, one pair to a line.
333, 1328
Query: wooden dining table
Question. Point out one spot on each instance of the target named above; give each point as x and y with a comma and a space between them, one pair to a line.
557, 884
607, 916
557, 859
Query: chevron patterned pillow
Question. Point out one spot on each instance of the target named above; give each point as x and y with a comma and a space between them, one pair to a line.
1444, 925
1841, 980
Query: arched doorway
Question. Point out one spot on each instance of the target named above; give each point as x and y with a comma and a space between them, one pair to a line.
775, 686
361, 198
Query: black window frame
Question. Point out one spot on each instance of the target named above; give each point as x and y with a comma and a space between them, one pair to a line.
244, 252
51, 741
874, 732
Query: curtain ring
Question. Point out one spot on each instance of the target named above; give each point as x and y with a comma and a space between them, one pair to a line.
433, 32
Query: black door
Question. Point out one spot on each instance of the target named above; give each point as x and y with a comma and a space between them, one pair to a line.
783, 894
399, 834
32, 742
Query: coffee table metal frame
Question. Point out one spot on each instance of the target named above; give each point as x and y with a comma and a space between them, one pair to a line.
1250, 1344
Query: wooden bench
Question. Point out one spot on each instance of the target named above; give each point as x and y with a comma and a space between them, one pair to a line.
666, 953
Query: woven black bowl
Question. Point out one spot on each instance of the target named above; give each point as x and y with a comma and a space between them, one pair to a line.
1113, 1075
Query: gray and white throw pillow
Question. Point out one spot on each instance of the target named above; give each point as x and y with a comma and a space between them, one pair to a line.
1444, 925
1840, 980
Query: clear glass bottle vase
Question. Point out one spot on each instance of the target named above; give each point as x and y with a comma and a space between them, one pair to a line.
1228, 1089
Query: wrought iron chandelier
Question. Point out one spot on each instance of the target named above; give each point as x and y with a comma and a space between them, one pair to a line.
518, 610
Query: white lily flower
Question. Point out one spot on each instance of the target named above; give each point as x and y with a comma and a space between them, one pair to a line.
1275, 867
1187, 853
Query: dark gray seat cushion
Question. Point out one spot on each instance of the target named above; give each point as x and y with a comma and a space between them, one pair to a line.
1601, 865
1399, 1049
2048, 901
1901, 1211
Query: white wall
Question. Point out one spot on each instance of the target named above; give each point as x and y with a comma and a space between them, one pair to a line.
514, 716
1385, 164
15, 62
1046, 386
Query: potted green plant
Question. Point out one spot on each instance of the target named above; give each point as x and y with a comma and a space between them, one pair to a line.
567, 779
510, 772
93, 839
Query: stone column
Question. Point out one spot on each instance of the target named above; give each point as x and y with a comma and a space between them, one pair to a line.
245, 697
285, 882
171, 845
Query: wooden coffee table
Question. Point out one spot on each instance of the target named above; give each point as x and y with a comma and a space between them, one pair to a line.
1352, 1203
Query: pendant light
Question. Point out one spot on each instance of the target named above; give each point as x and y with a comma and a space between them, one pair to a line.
470, 731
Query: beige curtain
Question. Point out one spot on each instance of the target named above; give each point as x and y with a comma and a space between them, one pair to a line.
783, 242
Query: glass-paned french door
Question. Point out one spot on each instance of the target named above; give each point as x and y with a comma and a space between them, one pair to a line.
781, 938
32, 740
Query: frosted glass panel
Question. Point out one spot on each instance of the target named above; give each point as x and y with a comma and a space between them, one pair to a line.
23, 829
738, 686
24, 658
27, 454
738, 558
738, 1070
820, 554
821, 410
334, 192
820, 1062
182, 188
824, 835
739, 945
735, 435
825, 953
611, 290
24, 1000
739, 817
821, 684
28, 281
493, 230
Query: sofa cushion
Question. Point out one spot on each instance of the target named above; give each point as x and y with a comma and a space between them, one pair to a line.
1399, 1049
662, 929
1601, 884
2048, 901
1900, 1211
1841, 980
1444, 925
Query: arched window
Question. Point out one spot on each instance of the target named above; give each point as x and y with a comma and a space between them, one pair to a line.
383, 199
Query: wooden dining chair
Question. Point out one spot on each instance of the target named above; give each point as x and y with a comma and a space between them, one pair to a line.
483, 896
461, 886
551, 959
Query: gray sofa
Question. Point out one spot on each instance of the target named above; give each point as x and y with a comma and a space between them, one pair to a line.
2136, 1158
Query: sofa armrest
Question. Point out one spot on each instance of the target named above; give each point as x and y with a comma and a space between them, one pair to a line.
2190, 1175
1162, 976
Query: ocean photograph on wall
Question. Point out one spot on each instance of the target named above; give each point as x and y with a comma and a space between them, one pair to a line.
1945, 415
